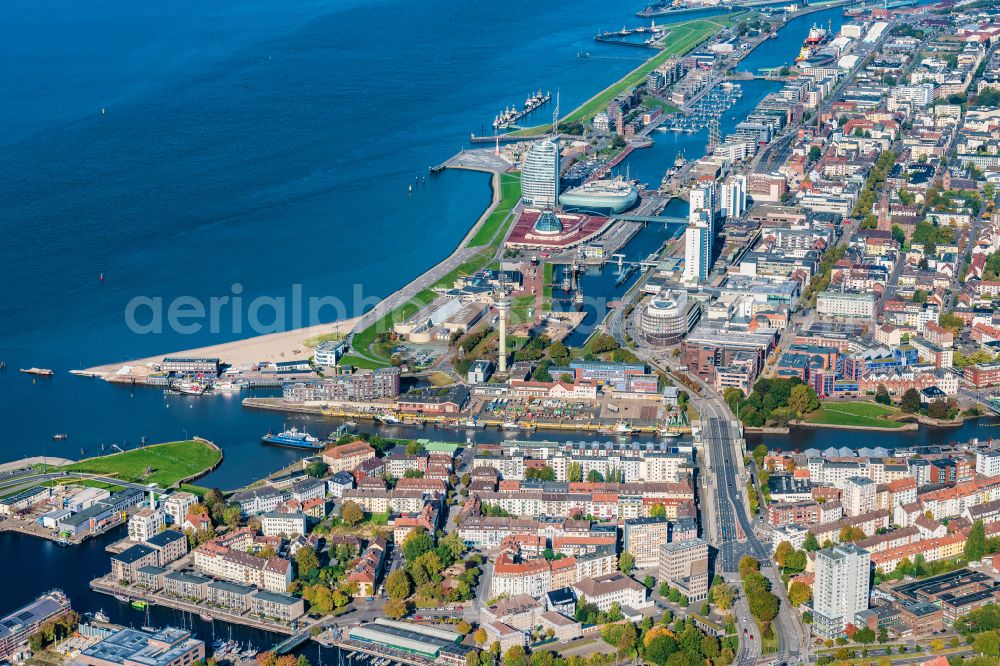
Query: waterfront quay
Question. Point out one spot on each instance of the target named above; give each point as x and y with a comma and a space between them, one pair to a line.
641, 416
106, 585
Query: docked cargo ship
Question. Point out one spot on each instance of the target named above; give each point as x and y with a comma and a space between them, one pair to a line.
601, 196
294, 439
816, 38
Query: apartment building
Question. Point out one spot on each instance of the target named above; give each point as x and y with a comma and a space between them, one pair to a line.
642, 538
684, 565
612, 588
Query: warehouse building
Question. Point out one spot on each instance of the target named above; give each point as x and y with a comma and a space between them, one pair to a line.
404, 637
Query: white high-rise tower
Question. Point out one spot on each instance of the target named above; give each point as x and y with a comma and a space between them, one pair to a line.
703, 197
734, 197
698, 249
841, 588
540, 178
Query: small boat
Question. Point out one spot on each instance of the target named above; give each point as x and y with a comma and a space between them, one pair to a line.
623, 428
667, 432
228, 387
60, 436
208, 618
189, 388
388, 419
139, 604
509, 425
43, 372
123, 598
101, 616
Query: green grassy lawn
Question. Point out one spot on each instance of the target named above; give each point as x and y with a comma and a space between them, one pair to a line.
320, 339
199, 491
89, 483
510, 194
169, 463
519, 308
667, 107
547, 273
855, 414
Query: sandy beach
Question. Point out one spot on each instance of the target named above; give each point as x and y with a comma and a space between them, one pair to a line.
284, 346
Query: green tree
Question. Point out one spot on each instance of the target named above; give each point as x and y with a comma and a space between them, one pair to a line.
724, 595
395, 608
759, 453
626, 562
317, 469
865, 636
231, 515
398, 585
882, 396
975, 544
574, 472
810, 544
799, 593
658, 511
594, 476
351, 513
515, 656
781, 552
898, 234
803, 400
987, 643
659, 649
307, 562
747, 566
416, 543
911, 401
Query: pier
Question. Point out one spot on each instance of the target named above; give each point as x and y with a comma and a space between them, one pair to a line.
480, 159
290, 643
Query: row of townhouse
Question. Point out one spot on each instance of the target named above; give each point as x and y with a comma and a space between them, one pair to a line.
226, 557
868, 523
940, 548
399, 500
268, 498
639, 465
611, 503
513, 575
237, 597
567, 537
834, 472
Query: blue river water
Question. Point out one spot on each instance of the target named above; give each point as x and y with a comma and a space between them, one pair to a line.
180, 149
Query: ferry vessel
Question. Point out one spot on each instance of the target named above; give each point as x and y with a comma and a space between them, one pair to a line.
293, 438
605, 196
388, 419
44, 372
